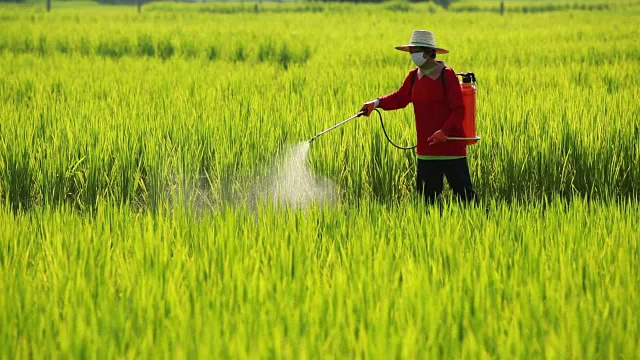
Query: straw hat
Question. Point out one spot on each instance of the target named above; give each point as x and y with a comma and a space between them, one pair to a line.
422, 38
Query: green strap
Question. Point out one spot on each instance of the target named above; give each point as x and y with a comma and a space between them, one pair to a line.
428, 71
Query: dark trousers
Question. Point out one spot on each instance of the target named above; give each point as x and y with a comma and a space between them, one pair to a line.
429, 179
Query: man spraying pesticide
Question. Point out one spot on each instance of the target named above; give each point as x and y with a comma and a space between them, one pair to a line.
445, 118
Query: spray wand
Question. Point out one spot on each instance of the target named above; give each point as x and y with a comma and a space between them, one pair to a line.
357, 116
337, 125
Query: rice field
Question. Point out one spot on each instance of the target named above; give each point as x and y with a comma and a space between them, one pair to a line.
136, 151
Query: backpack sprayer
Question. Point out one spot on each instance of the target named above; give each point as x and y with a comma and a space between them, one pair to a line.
468, 88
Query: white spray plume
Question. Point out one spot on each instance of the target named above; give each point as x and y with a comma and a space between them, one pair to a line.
295, 185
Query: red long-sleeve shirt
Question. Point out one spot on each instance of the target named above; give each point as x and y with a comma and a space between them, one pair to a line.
433, 111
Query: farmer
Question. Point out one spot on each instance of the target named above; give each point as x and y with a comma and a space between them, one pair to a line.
434, 90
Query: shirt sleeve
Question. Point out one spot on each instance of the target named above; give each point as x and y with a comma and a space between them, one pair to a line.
453, 125
399, 98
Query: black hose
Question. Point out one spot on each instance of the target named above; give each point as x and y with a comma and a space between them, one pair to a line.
387, 135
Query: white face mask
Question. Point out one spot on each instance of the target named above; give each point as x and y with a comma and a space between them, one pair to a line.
418, 59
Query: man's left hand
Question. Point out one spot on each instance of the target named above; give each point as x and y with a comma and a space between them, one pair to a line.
436, 138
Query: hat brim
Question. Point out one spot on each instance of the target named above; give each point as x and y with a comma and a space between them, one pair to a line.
407, 47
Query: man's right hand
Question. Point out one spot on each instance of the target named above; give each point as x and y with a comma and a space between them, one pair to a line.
368, 107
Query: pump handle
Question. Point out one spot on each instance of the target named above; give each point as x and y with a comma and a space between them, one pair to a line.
471, 77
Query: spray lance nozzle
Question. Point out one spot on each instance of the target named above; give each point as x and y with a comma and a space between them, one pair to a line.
337, 125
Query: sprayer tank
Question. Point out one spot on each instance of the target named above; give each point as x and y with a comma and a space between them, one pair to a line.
469, 99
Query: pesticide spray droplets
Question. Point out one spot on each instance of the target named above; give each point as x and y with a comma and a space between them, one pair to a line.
295, 185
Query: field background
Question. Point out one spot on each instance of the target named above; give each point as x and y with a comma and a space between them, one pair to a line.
134, 147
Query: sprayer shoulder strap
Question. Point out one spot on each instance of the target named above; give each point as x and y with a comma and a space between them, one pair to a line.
444, 85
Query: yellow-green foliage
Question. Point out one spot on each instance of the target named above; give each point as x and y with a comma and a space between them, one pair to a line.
111, 121
526, 281
108, 104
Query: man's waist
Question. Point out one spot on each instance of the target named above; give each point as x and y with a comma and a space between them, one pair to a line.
448, 148
440, 157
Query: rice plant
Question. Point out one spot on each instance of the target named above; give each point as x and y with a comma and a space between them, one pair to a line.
137, 154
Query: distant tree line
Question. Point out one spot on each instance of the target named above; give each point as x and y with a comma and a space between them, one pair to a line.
121, 2
133, 2
444, 3
352, 1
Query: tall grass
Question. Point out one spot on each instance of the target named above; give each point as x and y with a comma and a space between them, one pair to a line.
372, 281
557, 118
132, 147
